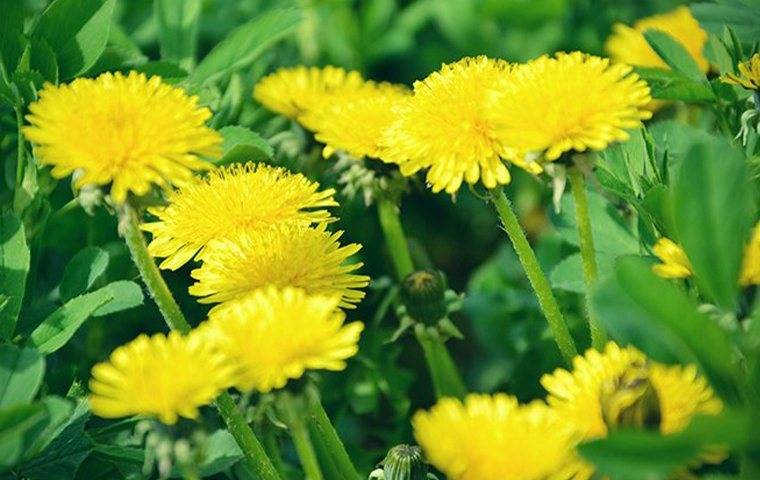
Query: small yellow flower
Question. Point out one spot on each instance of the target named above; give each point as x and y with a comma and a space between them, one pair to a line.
749, 74
444, 128
162, 376
750, 274
275, 335
356, 124
621, 387
291, 92
573, 101
129, 131
674, 262
229, 200
628, 45
491, 437
284, 255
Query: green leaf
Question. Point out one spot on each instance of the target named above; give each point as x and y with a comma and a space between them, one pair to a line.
77, 30
58, 410
43, 60
567, 274
718, 54
82, 272
637, 307
19, 425
14, 265
674, 54
178, 29
168, 71
21, 372
714, 209
742, 16
241, 144
672, 85
125, 294
245, 44
11, 29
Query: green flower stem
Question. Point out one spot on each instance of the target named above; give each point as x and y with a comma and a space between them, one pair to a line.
588, 254
535, 275
254, 455
327, 436
291, 411
444, 374
20, 152
395, 239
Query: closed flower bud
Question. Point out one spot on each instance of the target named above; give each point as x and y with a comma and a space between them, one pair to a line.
403, 462
424, 295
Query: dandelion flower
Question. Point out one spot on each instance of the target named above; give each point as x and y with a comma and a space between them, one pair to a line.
162, 376
128, 131
444, 128
292, 92
284, 255
749, 74
491, 437
750, 274
573, 101
628, 45
355, 125
228, 200
674, 262
274, 335
621, 387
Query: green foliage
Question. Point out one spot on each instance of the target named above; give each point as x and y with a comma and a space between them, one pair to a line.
14, 266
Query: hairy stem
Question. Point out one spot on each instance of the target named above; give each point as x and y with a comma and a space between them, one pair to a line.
447, 382
395, 240
292, 412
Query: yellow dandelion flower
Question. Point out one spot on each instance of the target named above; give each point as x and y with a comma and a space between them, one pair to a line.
444, 128
491, 437
356, 124
674, 262
128, 131
284, 255
162, 376
749, 74
750, 274
293, 91
573, 101
628, 45
274, 335
621, 387
228, 200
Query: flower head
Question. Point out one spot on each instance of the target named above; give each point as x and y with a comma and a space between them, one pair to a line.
573, 101
749, 74
284, 255
491, 437
674, 262
229, 200
628, 45
127, 130
294, 91
274, 335
356, 123
620, 386
162, 376
750, 274
444, 128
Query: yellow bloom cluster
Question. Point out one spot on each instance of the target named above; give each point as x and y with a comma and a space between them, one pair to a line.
466, 122
749, 74
489, 437
675, 263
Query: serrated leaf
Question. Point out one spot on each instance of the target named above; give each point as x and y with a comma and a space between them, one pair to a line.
21, 372
672, 52
82, 272
241, 144
77, 31
14, 266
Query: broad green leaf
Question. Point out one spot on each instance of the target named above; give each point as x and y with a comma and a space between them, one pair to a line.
672, 85
245, 44
11, 29
19, 425
718, 54
43, 60
674, 54
14, 265
125, 294
241, 144
21, 372
77, 31
637, 307
82, 272
62, 324
742, 16
714, 209
59, 411
178, 29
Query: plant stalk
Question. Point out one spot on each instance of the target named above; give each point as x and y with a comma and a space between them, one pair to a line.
291, 410
395, 240
588, 253
20, 152
536, 276
254, 455
443, 371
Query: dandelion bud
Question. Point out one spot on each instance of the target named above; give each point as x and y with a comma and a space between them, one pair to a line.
631, 400
424, 295
403, 462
